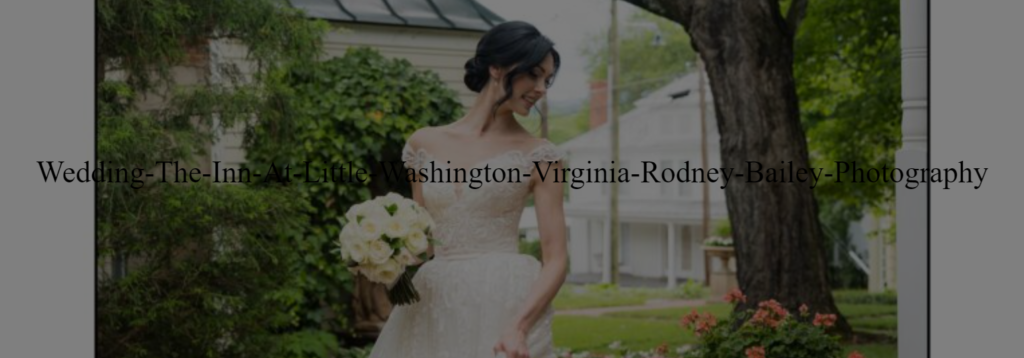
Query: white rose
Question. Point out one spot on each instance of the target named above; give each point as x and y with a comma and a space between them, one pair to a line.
417, 242
406, 258
409, 217
358, 251
425, 220
389, 199
388, 272
345, 247
349, 233
378, 212
395, 227
379, 252
354, 211
404, 209
370, 271
366, 209
370, 228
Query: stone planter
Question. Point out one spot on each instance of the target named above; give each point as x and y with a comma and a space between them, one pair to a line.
723, 279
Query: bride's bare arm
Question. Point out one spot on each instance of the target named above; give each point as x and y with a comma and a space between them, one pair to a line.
548, 198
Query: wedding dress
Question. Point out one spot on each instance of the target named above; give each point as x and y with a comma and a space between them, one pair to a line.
477, 282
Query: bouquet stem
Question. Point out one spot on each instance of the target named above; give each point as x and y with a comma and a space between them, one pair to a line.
403, 292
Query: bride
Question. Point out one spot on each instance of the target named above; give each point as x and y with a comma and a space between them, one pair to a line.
479, 297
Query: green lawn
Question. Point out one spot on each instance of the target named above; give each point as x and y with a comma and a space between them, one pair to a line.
721, 310
647, 329
596, 333
595, 296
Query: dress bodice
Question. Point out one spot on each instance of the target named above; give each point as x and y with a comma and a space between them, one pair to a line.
483, 219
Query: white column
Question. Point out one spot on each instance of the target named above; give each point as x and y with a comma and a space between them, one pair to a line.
911, 204
606, 253
671, 237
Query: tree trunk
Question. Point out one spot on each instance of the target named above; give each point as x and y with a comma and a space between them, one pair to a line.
747, 48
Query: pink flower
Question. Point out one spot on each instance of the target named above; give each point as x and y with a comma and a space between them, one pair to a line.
855, 354
735, 296
755, 352
689, 319
769, 313
826, 320
775, 307
662, 349
705, 325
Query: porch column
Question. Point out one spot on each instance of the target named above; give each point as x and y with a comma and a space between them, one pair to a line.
606, 252
671, 237
911, 204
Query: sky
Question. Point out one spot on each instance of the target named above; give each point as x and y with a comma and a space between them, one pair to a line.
568, 23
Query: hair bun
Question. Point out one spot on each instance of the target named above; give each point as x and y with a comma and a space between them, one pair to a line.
476, 75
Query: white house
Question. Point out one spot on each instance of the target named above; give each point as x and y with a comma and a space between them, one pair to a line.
660, 222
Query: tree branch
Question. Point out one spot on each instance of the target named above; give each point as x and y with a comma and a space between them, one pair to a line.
675, 10
797, 10
678, 11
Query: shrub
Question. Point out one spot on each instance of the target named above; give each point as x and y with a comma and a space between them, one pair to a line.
355, 110
192, 270
769, 331
532, 248
861, 297
690, 290
723, 228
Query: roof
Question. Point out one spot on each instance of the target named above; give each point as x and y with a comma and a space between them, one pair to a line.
677, 101
440, 14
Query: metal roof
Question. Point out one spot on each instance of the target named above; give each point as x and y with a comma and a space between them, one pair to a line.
640, 127
439, 14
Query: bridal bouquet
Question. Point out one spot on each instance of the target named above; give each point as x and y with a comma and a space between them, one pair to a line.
382, 238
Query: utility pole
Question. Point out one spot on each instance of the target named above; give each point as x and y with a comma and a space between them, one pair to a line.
704, 160
613, 113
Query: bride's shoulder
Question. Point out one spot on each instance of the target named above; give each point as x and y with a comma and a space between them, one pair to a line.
544, 150
422, 136
415, 150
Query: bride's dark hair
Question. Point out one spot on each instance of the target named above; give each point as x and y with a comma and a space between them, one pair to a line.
513, 43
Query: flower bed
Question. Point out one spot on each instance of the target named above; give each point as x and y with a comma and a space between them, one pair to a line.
768, 331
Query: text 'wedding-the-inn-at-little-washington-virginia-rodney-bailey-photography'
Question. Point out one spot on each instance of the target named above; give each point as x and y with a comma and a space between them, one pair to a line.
650, 172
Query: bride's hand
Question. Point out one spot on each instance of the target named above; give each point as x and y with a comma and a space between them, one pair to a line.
513, 344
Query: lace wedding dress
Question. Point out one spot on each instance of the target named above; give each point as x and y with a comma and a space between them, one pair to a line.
478, 281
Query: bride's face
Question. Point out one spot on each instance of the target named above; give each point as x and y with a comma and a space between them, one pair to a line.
530, 87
